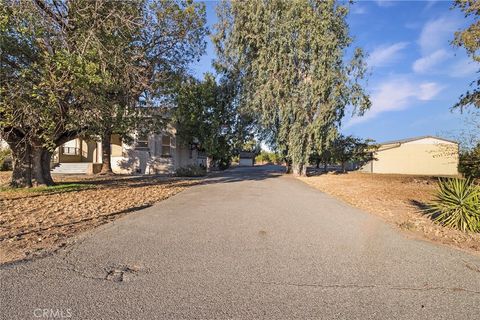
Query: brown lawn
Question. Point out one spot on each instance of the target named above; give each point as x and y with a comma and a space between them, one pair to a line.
397, 199
38, 220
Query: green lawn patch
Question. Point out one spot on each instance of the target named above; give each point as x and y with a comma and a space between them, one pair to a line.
59, 188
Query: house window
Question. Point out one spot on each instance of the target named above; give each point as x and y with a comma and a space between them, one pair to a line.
166, 146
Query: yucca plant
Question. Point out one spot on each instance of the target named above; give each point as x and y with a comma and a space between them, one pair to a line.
457, 204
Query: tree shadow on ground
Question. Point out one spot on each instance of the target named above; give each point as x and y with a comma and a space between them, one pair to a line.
314, 172
257, 173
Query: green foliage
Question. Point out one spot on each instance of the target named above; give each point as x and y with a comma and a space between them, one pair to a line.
324, 155
251, 145
470, 162
86, 67
352, 149
191, 171
204, 120
170, 35
468, 38
457, 204
5, 159
268, 157
287, 61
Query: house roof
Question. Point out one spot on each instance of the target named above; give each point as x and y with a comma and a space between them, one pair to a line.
415, 139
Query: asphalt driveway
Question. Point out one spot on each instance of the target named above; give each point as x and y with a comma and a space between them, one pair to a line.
248, 244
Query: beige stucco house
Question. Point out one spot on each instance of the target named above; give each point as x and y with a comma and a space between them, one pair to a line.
147, 154
425, 155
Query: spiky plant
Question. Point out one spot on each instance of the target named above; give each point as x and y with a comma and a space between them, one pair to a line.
457, 204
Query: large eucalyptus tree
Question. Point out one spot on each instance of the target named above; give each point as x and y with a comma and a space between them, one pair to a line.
288, 60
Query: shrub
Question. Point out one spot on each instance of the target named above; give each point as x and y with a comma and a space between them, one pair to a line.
190, 171
5, 159
457, 204
268, 157
470, 162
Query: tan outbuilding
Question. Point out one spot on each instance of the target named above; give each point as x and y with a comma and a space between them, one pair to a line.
425, 155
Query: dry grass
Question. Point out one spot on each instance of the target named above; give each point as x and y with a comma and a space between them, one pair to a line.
398, 199
37, 220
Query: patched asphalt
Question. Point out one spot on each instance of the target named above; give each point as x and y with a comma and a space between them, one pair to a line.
248, 244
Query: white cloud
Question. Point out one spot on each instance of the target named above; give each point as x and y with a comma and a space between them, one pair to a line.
427, 62
428, 90
436, 34
397, 94
356, 8
385, 55
464, 68
434, 43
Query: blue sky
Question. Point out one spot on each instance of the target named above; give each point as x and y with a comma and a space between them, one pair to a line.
415, 74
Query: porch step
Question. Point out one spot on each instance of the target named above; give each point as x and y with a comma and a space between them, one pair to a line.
71, 168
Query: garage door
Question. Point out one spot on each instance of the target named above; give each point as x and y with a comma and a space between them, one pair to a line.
246, 162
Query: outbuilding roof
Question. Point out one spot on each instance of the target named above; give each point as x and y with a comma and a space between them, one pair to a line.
246, 154
415, 139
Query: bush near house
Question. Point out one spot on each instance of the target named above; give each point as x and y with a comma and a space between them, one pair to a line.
457, 204
470, 162
191, 171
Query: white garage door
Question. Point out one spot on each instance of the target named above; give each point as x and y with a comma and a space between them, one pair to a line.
246, 162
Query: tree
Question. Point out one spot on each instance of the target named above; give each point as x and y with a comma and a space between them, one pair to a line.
346, 149
288, 61
267, 157
145, 66
324, 157
251, 145
322, 151
469, 38
46, 70
82, 67
203, 119
470, 162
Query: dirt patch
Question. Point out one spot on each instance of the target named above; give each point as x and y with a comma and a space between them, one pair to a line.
35, 221
398, 199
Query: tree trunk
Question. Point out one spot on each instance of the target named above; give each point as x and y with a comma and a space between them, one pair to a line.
304, 171
296, 169
317, 163
46, 170
325, 167
209, 163
40, 171
344, 167
288, 166
21, 161
106, 154
299, 170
